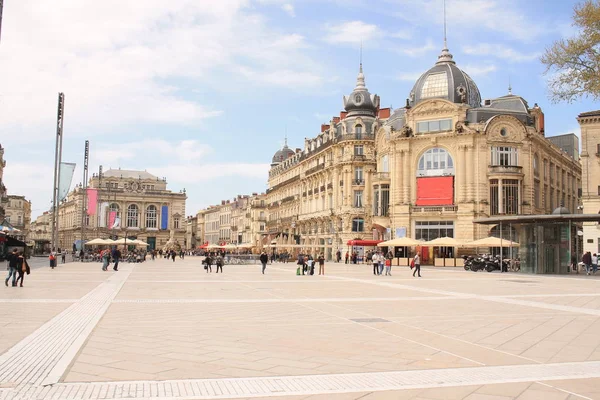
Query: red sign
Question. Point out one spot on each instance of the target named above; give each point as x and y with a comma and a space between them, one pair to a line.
435, 191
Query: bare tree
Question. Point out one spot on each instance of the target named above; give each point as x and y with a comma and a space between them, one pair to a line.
573, 65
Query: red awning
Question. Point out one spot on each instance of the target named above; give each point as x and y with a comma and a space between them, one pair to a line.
203, 246
364, 242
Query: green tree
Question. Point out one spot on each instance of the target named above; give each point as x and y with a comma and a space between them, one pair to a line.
573, 65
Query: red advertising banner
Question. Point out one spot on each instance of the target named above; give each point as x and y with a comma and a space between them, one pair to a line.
92, 197
435, 191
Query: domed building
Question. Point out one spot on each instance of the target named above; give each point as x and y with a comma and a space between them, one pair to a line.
453, 158
281, 155
318, 195
427, 170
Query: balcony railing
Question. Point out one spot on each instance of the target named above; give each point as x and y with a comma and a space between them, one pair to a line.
355, 136
382, 176
505, 169
359, 157
358, 182
314, 169
432, 209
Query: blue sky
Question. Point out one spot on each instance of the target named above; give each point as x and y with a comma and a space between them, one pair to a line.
203, 92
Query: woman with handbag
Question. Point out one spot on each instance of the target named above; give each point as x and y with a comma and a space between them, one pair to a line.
22, 268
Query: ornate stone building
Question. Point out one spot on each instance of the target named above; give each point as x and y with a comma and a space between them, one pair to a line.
590, 159
135, 204
320, 196
425, 171
40, 233
239, 221
18, 214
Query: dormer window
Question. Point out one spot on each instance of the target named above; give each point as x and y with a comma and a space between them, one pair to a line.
358, 129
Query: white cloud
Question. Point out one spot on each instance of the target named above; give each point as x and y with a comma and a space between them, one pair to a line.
289, 9
125, 67
417, 51
409, 76
500, 51
479, 70
352, 32
470, 16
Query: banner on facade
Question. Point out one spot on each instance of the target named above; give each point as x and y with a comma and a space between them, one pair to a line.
164, 217
92, 201
116, 224
65, 172
103, 214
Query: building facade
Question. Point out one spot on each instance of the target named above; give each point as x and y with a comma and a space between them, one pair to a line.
40, 233
132, 204
590, 160
319, 196
425, 171
569, 143
238, 221
18, 213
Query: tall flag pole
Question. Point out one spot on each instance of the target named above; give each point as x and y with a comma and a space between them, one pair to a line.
57, 162
1, 7
86, 156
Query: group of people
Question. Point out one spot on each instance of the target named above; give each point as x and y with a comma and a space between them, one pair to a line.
217, 258
380, 260
590, 261
17, 268
306, 264
106, 258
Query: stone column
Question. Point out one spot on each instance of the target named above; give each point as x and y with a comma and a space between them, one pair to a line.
407, 179
469, 173
500, 199
368, 188
398, 195
462, 173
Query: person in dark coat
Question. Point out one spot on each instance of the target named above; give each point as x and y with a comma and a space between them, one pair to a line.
12, 268
264, 259
116, 255
22, 268
587, 261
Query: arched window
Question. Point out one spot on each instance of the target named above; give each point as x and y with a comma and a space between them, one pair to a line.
536, 165
151, 217
358, 129
358, 225
435, 162
385, 164
132, 216
114, 207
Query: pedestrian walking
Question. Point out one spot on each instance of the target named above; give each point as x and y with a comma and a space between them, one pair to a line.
22, 269
321, 260
219, 263
347, 257
52, 258
381, 260
208, 263
594, 263
417, 264
587, 261
105, 260
116, 255
12, 268
63, 256
388, 263
338, 256
264, 258
173, 255
375, 261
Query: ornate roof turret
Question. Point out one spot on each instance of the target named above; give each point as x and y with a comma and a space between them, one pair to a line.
360, 101
282, 155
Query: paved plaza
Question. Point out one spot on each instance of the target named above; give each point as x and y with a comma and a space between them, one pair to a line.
164, 330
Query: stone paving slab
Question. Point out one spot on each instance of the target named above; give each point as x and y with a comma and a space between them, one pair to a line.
330, 384
171, 331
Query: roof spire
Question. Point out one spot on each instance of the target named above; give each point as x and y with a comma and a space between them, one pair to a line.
445, 56
360, 80
509, 86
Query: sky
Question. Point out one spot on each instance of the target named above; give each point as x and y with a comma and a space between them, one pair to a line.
204, 92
